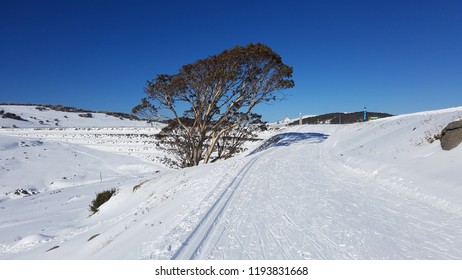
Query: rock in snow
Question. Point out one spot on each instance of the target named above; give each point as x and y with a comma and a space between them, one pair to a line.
451, 136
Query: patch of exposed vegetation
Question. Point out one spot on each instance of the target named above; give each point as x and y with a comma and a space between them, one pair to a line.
100, 199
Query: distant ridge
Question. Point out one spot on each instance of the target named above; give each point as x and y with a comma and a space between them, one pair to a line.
62, 108
340, 118
59, 116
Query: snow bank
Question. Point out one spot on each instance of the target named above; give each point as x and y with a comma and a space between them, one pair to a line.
402, 152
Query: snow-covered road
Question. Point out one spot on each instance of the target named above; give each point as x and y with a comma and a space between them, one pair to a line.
320, 211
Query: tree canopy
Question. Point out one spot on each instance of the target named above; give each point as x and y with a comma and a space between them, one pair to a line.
212, 99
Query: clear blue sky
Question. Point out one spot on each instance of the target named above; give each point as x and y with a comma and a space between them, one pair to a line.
393, 56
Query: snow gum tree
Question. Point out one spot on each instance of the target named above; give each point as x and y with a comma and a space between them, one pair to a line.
211, 101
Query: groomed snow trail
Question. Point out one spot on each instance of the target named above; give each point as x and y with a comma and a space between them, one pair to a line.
289, 203
193, 244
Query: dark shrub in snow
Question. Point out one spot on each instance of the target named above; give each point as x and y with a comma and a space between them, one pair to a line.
100, 199
12, 116
86, 115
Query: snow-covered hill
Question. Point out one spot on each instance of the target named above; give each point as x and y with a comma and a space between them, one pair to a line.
43, 149
43, 116
375, 190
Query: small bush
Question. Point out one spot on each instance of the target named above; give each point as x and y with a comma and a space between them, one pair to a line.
86, 115
12, 116
41, 108
100, 199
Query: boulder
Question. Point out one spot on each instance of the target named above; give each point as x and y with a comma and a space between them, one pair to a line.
451, 136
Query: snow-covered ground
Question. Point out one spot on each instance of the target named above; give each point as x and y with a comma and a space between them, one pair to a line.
375, 190
42, 117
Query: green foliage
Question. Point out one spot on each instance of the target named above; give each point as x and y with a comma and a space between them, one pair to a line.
100, 199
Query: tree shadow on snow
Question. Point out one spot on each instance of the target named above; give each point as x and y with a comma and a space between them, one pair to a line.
287, 139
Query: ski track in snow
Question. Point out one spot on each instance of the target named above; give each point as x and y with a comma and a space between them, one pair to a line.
318, 214
193, 244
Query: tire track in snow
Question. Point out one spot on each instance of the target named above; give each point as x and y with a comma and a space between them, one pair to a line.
193, 244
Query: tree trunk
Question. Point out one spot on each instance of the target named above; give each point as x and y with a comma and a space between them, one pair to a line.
213, 143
